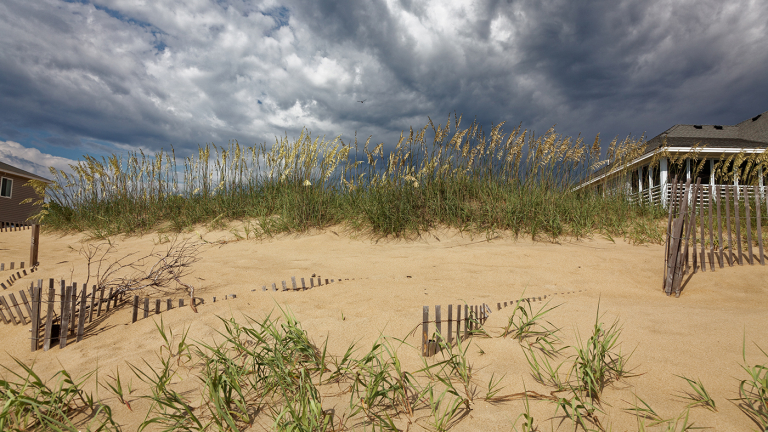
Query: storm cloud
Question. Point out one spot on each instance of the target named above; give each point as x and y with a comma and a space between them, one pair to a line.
102, 76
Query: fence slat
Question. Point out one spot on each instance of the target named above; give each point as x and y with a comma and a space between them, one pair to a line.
65, 318
669, 232
293, 282
711, 233
36, 293
135, 312
157, 306
438, 325
49, 316
694, 196
81, 316
168, 305
701, 227
101, 300
450, 324
458, 322
727, 203
737, 220
146, 307
425, 332
718, 191
73, 311
22, 318
109, 300
93, 301
759, 216
8, 308
26, 301
467, 322
2, 314
748, 216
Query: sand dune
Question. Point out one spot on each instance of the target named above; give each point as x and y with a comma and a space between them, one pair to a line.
698, 335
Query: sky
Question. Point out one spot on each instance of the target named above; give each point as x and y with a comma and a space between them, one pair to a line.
103, 77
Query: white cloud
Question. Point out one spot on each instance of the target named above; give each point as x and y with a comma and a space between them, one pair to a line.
152, 74
32, 160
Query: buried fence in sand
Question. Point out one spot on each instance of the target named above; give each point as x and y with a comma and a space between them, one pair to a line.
474, 317
65, 317
688, 200
144, 305
33, 252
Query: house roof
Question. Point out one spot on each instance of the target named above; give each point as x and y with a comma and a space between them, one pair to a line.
752, 133
10, 169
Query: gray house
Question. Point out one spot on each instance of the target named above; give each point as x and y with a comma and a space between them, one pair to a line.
648, 176
13, 192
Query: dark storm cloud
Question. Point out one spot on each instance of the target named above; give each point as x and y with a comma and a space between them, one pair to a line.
160, 73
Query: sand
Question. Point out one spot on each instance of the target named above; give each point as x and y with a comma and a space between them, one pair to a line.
698, 335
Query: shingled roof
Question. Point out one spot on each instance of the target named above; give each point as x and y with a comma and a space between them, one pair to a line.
10, 169
751, 133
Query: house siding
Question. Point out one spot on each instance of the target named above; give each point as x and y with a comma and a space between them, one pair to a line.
10, 208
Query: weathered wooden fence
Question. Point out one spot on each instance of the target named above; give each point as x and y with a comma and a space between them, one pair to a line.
304, 287
738, 210
147, 305
33, 252
75, 309
11, 226
474, 317
14, 276
144, 305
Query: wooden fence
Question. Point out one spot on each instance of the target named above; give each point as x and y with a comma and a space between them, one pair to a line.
14, 276
737, 209
10, 226
143, 304
304, 287
474, 317
74, 310
33, 253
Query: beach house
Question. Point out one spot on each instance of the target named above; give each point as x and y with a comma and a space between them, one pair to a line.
647, 177
13, 192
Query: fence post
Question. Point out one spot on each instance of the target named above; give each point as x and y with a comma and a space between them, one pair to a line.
81, 316
425, 332
36, 291
135, 308
65, 318
34, 245
49, 315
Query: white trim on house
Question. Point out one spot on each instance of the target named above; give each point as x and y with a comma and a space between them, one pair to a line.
663, 166
10, 188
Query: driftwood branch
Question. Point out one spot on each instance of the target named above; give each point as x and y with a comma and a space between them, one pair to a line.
156, 271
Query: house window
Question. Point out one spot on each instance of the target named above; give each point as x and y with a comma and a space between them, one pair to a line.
5, 187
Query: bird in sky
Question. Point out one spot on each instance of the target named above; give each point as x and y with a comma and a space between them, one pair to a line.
363, 101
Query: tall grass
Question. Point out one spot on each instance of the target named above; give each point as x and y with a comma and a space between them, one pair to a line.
515, 182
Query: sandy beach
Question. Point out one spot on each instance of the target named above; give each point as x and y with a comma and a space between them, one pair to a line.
698, 335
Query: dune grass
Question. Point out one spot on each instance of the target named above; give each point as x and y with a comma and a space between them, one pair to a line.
270, 373
519, 183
